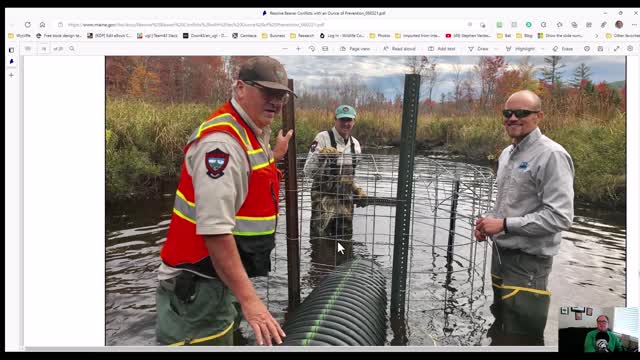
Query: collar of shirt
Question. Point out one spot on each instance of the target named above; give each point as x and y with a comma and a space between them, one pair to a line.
339, 138
528, 140
263, 134
246, 118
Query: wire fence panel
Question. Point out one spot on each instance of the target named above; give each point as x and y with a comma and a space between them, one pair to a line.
447, 267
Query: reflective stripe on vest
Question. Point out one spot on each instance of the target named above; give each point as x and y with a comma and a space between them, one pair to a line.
257, 158
245, 225
254, 226
184, 208
222, 119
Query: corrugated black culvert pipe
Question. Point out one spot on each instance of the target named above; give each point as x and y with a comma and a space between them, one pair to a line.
349, 307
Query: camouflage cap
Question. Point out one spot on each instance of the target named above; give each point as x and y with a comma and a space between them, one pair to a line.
265, 71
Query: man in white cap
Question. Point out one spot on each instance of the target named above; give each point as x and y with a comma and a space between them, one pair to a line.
331, 164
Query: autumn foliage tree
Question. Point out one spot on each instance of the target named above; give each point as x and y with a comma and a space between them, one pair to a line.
489, 69
208, 79
169, 78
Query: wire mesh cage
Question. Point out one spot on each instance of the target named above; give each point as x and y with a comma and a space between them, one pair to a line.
446, 266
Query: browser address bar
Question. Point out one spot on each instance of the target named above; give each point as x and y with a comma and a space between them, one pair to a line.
368, 25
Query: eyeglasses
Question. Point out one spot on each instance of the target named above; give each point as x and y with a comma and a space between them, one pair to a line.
602, 321
520, 114
345, 119
269, 93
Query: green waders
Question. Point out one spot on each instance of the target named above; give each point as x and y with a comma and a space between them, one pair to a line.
193, 310
520, 297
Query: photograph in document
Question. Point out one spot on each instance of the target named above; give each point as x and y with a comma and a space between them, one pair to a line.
155, 103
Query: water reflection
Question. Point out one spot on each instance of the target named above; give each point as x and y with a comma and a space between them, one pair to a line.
590, 268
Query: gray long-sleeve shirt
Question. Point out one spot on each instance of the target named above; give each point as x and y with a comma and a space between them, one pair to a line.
535, 195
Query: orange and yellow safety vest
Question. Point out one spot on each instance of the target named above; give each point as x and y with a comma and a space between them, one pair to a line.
256, 220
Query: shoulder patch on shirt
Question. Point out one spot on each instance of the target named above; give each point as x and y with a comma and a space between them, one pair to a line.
216, 161
313, 146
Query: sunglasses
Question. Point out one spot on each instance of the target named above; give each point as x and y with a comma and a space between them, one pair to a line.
520, 114
345, 119
269, 93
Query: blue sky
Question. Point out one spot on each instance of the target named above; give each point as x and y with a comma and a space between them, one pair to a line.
386, 73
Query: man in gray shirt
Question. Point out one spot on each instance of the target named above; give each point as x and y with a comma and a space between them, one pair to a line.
534, 204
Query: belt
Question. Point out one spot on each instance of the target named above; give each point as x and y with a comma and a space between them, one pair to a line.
170, 284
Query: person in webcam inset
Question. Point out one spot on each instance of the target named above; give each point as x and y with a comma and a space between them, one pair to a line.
602, 339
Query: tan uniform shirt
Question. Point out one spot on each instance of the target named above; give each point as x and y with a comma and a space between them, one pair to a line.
323, 140
218, 200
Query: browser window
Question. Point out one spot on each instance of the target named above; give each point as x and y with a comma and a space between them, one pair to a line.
100, 104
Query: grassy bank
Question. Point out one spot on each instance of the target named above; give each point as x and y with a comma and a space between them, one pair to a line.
144, 143
597, 146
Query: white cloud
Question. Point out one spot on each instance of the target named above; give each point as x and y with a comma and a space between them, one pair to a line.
385, 72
